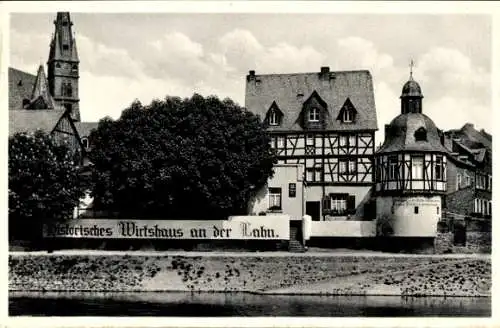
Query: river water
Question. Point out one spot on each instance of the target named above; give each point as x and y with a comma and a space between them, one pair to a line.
241, 304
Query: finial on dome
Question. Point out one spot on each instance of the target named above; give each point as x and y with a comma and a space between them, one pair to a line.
412, 63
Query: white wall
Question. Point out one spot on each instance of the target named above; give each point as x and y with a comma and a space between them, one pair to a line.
343, 229
400, 211
283, 175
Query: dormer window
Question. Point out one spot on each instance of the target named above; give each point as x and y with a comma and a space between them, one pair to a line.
348, 116
274, 115
314, 114
273, 118
421, 134
347, 113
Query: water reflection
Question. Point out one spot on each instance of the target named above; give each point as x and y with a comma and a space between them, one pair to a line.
239, 304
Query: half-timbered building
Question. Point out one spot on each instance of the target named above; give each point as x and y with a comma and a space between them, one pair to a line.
326, 122
410, 177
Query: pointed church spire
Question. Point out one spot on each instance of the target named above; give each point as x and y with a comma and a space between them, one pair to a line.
63, 66
41, 90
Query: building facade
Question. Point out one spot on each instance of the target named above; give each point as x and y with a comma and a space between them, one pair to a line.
324, 121
284, 193
411, 171
470, 174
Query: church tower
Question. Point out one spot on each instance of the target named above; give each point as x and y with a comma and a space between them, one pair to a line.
63, 66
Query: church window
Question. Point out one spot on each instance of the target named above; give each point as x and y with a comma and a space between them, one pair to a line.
65, 47
66, 90
417, 167
85, 142
314, 115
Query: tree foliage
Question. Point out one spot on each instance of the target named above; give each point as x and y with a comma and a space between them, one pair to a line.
44, 182
180, 158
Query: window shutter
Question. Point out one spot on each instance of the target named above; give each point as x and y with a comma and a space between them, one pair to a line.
351, 203
327, 203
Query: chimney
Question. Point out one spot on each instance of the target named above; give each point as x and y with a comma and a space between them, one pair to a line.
251, 75
325, 72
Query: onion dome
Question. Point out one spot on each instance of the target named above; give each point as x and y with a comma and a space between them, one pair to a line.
411, 89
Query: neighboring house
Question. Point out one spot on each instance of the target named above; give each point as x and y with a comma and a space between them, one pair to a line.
470, 172
284, 193
326, 122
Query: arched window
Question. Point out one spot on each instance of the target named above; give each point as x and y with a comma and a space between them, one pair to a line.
314, 115
85, 142
66, 90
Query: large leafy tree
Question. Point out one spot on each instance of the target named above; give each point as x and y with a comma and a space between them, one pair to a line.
44, 183
180, 158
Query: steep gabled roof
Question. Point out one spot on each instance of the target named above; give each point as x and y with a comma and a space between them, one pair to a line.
290, 91
84, 128
26, 120
41, 89
21, 86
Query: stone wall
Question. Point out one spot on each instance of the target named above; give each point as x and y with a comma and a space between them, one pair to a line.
476, 242
460, 201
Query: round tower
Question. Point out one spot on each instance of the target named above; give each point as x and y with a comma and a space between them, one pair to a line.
410, 172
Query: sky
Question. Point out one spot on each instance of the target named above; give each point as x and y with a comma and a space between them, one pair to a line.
144, 56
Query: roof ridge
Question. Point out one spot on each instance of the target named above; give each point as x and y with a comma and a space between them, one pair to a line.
305, 73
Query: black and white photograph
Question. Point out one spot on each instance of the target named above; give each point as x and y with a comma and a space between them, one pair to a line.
228, 161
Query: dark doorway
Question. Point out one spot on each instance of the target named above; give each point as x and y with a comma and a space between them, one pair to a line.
459, 234
314, 210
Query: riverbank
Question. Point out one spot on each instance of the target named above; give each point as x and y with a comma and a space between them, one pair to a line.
266, 273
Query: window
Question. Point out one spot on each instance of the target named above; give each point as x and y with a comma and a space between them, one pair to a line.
314, 115
417, 168
85, 142
437, 210
58, 65
280, 141
292, 190
74, 67
338, 205
273, 118
415, 210
489, 207
352, 140
421, 134
476, 205
275, 198
393, 168
314, 174
490, 183
66, 90
459, 181
65, 47
439, 168
467, 180
348, 166
348, 116
343, 141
